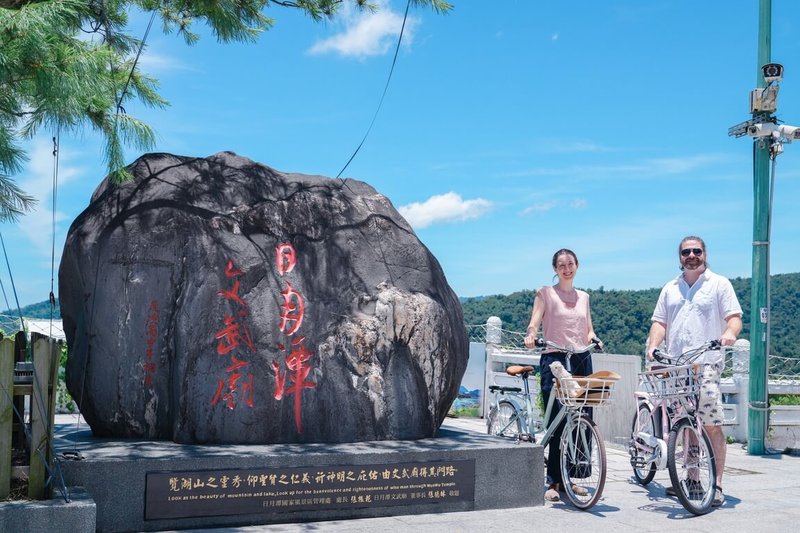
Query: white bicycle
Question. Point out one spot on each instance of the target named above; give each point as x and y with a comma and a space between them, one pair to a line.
583, 454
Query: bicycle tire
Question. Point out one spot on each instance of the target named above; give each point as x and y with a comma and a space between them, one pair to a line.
583, 461
687, 464
504, 420
643, 422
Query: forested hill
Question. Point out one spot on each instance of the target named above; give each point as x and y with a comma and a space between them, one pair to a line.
40, 310
622, 318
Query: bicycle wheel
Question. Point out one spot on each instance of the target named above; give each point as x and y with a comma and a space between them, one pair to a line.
504, 420
644, 458
690, 460
583, 462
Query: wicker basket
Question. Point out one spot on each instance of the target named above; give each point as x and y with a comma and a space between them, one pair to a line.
590, 391
671, 382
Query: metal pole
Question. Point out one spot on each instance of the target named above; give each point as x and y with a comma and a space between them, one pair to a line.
759, 309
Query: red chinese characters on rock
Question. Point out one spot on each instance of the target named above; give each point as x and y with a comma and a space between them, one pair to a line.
292, 312
286, 258
234, 336
151, 337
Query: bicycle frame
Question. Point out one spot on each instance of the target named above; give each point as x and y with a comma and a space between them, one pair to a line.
529, 427
669, 406
653, 446
581, 450
665, 411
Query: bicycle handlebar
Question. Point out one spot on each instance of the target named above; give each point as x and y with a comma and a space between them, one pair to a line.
688, 356
593, 346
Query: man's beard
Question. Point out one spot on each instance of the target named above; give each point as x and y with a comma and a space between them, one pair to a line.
693, 265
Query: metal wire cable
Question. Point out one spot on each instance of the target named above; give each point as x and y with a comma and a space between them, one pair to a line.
53, 234
385, 89
13, 287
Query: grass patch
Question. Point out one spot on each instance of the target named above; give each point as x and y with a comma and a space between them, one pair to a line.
464, 412
784, 399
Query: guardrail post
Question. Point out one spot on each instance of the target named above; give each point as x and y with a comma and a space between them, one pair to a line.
494, 337
741, 379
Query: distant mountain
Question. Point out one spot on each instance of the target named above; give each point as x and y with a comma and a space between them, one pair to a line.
464, 392
40, 310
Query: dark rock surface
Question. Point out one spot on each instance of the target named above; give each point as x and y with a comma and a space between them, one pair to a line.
218, 300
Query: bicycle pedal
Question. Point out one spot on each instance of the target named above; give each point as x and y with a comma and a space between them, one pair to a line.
525, 437
637, 462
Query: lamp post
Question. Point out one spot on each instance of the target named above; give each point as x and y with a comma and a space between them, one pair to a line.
768, 139
759, 309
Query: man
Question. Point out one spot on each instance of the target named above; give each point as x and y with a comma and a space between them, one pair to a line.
693, 308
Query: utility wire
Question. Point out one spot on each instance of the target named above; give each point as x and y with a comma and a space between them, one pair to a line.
3, 288
13, 287
135, 62
385, 88
53, 250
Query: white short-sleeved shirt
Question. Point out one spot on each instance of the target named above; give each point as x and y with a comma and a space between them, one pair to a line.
696, 314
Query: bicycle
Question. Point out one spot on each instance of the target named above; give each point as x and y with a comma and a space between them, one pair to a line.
583, 454
667, 406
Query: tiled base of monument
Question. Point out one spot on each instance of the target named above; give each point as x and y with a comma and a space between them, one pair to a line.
151, 486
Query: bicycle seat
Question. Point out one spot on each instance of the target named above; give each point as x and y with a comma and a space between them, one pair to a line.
516, 370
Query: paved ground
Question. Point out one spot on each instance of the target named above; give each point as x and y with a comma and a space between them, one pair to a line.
763, 493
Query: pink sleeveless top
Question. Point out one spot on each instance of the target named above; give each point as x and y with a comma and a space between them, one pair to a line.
566, 316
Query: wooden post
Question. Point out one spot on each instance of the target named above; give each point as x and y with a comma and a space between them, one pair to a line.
45, 361
6, 414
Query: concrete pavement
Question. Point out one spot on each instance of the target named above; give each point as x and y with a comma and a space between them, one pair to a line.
762, 492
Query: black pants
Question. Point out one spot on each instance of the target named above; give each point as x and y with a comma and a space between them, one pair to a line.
581, 366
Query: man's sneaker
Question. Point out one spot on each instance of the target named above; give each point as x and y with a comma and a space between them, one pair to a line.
694, 488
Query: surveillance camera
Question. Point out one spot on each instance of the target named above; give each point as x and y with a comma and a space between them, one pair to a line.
790, 133
772, 72
764, 129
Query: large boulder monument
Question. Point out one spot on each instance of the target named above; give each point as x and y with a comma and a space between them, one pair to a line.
217, 300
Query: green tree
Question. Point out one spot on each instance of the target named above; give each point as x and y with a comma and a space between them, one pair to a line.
71, 65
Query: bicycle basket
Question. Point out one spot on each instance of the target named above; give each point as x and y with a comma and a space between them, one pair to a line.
590, 391
671, 382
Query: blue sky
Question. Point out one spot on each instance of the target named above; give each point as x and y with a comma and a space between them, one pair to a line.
510, 129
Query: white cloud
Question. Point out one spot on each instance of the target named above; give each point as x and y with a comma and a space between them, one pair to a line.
441, 208
543, 207
367, 34
569, 147
539, 208
643, 169
153, 62
578, 203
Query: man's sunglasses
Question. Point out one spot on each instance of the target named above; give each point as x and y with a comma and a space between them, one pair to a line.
696, 251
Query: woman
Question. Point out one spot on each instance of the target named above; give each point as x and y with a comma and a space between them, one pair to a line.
566, 319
